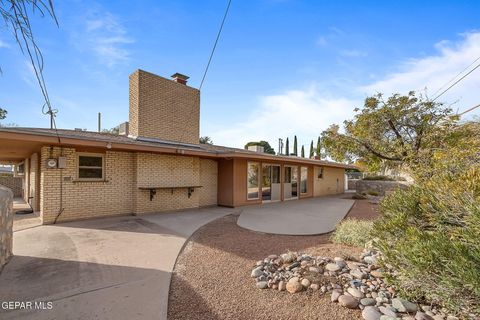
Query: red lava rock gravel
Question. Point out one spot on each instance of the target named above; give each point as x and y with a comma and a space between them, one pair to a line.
212, 279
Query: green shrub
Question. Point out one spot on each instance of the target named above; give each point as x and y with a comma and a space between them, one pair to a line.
373, 193
430, 232
352, 232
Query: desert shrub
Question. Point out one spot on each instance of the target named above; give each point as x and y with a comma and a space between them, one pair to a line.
379, 178
352, 232
429, 233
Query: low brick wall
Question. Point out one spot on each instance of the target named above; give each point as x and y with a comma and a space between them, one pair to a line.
378, 186
6, 224
13, 183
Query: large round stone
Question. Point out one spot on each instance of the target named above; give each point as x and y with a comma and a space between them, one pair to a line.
294, 286
348, 301
257, 272
332, 267
368, 301
335, 294
403, 305
355, 292
371, 313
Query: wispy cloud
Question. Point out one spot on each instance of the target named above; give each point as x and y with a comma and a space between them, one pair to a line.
321, 41
433, 72
306, 112
4, 44
107, 38
353, 53
297, 112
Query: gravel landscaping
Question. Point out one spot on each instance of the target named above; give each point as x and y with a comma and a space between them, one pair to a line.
212, 277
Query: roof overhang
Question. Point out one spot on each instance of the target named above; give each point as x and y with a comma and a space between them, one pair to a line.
16, 145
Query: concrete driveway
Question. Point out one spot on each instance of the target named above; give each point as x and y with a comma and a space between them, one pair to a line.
113, 268
296, 217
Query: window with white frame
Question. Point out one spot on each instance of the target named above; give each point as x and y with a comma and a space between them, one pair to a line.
91, 166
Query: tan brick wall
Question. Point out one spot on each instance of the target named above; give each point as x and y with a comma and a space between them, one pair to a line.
13, 183
208, 181
328, 185
33, 182
119, 194
82, 199
155, 170
163, 109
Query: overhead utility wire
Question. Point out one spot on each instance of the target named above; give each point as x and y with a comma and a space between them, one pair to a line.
468, 110
22, 11
215, 45
465, 69
456, 82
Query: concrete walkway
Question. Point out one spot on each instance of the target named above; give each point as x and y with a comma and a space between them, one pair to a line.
296, 217
112, 268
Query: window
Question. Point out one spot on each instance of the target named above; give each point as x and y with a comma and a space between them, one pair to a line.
90, 167
252, 180
303, 179
320, 173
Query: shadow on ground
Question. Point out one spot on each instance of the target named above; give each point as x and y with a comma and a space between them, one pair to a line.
80, 290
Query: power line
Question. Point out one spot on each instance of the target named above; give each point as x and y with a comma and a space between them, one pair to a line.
455, 83
26, 33
215, 45
465, 69
468, 110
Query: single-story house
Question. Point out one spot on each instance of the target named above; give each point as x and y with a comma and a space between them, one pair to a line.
154, 164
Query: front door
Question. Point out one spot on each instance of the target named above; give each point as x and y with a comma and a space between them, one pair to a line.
271, 186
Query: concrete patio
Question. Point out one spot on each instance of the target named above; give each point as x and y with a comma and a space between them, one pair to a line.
298, 217
112, 268
120, 268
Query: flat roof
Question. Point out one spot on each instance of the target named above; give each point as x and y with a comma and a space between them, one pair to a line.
35, 137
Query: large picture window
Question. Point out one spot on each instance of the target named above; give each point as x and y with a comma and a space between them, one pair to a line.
252, 181
303, 180
90, 167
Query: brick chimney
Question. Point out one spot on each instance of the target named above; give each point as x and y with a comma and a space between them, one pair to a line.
164, 109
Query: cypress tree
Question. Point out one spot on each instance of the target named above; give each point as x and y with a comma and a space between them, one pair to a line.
311, 150
287, 148
295, 152
303, 152
319, 148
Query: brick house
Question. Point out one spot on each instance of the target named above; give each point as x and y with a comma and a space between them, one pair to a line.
155, 164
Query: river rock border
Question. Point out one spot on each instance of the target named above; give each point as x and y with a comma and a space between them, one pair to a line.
352, 284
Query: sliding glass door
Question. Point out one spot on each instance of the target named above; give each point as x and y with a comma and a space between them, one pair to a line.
271, 187
290, 182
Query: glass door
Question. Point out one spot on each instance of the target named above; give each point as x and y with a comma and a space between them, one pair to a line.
290, 183
266, 183
271, 186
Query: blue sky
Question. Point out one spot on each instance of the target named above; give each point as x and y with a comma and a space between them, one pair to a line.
281, 68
